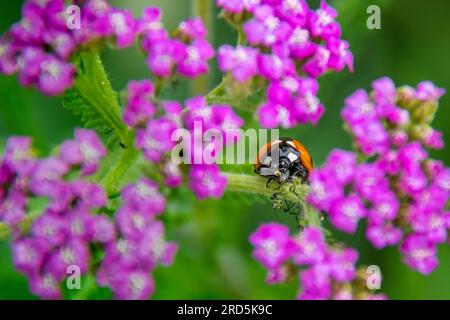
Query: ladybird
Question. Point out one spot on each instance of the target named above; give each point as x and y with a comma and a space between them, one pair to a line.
283, 160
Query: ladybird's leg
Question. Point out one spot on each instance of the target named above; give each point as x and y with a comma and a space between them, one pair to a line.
288, 206
296, 209
273, 179
268, 182
293, 190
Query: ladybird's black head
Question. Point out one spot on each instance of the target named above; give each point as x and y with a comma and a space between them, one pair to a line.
283, 173
282, 163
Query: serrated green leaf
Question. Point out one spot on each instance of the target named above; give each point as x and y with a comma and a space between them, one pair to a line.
73, 101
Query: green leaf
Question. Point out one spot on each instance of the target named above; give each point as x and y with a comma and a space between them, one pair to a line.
95, 101
74, 102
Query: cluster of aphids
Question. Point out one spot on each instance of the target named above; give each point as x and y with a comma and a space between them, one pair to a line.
285, 161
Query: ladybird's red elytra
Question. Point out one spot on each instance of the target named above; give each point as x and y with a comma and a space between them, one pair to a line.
283, 160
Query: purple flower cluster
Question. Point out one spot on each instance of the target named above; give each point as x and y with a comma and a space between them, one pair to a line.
401, 192
390, 117
156, 136
58, 237
140, 245
22, 175
39, 47
290, 46
186, 54
69, 228
326, 272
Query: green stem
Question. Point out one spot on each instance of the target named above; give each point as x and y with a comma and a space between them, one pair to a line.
203, 9
113, 179
241, 105
94, 86
258, 185
295, 192
218, 90
311, 216
241, 36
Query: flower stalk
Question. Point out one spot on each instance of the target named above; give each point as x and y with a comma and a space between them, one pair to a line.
294, 192
94, 86
112, 180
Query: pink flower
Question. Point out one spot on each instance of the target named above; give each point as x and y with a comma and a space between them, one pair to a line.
426, 90
47, 177
62, 42
322, 22
383, 234
30, 62
19, 156
55, 76
432, 224
384, 91
194, 61
273, 115
296, 12
151, 27
311, 247
45, 286
237, 6
272, 66
132, 285
28, 254
343, 264
265, 28
340, 55
102, 230
241, 62
419, 253
164, 55
86, 150
193, 28
315, 283
346, 213
144, 196
300, 43
156, 139
370, 181
207, 181
51, 227
273, 247
173, 175
325, 189
154, 248
307, 105
74, 252
139, 107
318, 64
123, 27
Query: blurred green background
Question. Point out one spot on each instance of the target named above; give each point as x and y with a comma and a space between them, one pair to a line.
214, 261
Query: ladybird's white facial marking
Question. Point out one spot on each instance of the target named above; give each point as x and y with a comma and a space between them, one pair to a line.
292, 157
